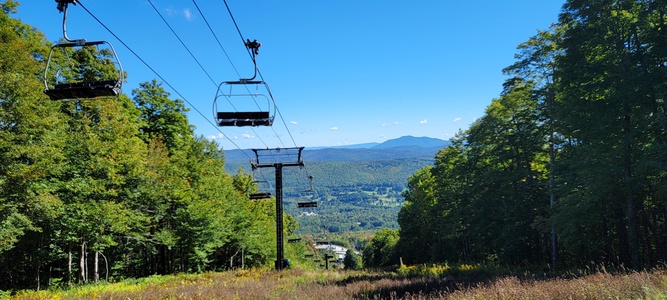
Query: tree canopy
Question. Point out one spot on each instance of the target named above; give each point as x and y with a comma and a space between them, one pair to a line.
575, 143
111, 186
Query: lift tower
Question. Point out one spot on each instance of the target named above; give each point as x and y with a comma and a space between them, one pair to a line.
278, 158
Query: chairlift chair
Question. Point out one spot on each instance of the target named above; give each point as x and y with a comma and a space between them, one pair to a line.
306, 204
242, 94
82, 81
248, 103
310, 188
259, 196
294, 240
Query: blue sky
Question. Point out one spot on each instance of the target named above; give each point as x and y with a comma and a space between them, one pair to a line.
341, 72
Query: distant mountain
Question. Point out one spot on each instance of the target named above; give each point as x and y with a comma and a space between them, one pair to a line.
411, 141
406, 147
355, 146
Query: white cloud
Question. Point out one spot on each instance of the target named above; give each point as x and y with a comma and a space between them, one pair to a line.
424, 121
294, 122
457, 119
392, 124
215, 137
248, 136
188, 14
334, 128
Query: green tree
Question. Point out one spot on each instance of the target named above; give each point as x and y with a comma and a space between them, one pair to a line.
352, 261
161, 117
104, 158
380, 251
610, 76
536, 62
509, 185
30, 158
416, 217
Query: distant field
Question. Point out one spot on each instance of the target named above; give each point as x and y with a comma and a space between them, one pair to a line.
300, 284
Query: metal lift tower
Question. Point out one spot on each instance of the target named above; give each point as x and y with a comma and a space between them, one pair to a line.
278, 158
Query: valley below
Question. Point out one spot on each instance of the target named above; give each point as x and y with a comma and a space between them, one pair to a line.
356, 188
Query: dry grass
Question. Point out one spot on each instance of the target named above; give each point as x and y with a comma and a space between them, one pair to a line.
644, 285
300, 284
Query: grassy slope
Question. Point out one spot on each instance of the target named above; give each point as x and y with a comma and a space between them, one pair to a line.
300, 284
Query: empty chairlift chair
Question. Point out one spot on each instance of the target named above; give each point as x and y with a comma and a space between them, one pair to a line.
306, 204
294, 240
260, 196
79, 69
244, 103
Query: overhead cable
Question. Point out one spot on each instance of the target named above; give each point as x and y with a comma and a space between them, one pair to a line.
161, 78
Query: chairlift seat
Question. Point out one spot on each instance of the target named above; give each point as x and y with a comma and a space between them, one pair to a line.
252, 118
306, 204
89, 89
295, 240
258, 196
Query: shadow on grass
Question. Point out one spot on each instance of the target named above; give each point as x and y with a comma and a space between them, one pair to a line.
392, 286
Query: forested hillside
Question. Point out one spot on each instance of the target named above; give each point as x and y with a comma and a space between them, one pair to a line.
112, 186
352, 195
568, 165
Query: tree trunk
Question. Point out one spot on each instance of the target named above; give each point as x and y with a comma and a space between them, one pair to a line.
69, 266
231, 259
82, 263
36, 262
97, 266
552, 198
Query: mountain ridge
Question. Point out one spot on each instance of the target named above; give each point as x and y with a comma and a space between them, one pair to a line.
399, 148
408, 140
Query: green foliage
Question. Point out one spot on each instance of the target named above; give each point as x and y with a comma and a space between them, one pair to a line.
574, 144
352, 261
416, 233
455, 271
380, 251
161, 117
110, 187
351, 196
